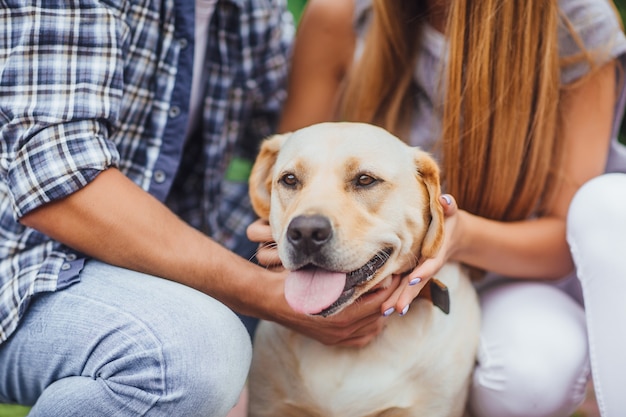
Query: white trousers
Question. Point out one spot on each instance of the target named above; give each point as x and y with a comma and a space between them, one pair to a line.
597, 237
537, 341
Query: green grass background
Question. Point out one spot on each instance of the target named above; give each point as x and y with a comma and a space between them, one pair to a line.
13, 411
295, 7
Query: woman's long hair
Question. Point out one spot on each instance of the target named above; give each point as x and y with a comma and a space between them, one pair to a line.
501, 153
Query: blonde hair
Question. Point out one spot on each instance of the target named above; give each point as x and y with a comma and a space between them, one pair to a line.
501, 153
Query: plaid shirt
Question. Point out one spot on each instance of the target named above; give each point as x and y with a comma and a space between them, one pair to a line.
100, 84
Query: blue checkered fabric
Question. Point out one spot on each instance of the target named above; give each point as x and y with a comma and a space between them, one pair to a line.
87, 85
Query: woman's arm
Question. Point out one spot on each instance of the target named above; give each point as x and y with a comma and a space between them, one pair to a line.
537, 248
534, 248
323, 52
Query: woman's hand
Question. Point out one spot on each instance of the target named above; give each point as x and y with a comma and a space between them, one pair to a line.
416, 280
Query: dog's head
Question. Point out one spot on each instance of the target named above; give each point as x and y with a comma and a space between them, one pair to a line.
349, 204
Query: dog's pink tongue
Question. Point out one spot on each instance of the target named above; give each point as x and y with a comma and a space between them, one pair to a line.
312, 290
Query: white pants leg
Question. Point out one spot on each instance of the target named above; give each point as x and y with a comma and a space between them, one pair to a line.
533, 356
597, 236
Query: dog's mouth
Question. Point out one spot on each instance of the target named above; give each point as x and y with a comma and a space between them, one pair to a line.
313, 290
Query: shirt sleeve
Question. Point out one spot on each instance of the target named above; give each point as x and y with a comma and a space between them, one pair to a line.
594, 25
265, 93
61, 82
267, 86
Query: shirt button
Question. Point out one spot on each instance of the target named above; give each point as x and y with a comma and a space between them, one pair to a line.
174, 111
183, 43
70, 257
65, 266
159, 176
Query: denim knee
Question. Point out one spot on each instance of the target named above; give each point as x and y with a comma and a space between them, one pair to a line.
206, 364
186, 356
123, 343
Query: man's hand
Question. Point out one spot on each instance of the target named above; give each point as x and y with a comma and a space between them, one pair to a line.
356, 325
267, 253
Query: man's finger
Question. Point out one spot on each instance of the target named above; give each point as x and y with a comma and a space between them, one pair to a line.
259, 231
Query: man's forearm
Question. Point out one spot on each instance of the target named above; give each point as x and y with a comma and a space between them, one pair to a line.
115, 221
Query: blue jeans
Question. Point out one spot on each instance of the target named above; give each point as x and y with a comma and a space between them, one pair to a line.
122, 343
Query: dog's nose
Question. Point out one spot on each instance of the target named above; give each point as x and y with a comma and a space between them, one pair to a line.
309, 233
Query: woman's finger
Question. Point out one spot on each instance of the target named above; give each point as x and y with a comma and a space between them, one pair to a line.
399, 302
449, 204
410, 286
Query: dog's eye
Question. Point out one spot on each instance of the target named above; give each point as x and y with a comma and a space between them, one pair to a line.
289, 180
364, 180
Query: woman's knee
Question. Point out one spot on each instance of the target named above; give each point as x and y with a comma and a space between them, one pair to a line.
533, 358
598, 209
596, 226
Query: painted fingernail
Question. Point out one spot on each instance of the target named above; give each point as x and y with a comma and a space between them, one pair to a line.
404, 310
415, 281
447, 198
388, 312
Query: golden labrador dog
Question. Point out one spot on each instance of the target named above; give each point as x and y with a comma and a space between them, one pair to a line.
349, 205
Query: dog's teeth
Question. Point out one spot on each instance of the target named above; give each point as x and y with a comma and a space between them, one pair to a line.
367, 271
379, 262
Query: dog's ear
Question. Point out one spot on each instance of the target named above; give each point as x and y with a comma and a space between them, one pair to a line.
428, 172
261, 175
